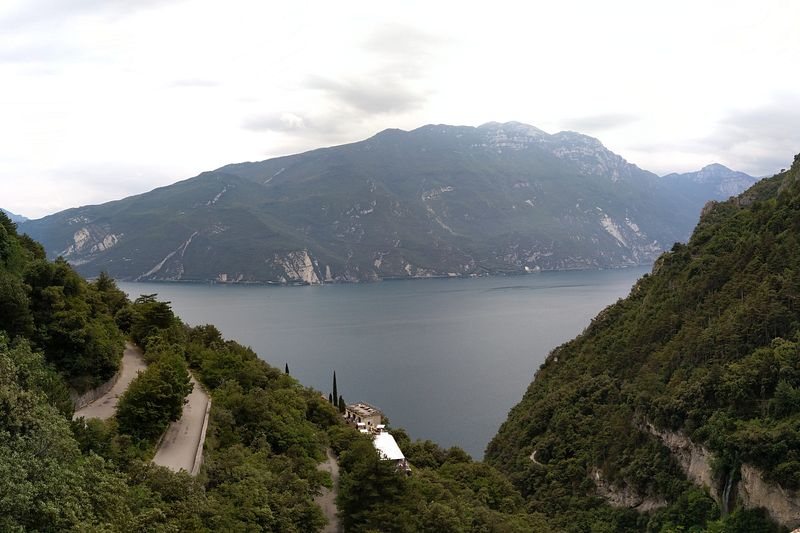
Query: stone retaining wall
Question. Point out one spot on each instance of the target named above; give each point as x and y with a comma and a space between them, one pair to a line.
82, 400
198, 457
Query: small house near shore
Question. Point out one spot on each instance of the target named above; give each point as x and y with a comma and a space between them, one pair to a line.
363, 413
369, 420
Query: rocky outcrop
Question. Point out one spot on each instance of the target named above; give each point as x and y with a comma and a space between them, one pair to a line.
782, 505
694, 460
751, 491
298, 267
708, 208
625, 496
91, 239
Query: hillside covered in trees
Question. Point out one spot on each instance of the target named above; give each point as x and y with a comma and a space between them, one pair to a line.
704, 351
266, 434
57, 332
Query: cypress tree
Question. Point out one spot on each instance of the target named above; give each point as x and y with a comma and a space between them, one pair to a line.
330, 398
286, 368
342, 405
335, 393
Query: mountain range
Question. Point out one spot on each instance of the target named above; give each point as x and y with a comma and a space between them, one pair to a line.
14, 217
435, 201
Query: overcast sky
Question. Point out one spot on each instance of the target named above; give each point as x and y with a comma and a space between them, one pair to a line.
100, 99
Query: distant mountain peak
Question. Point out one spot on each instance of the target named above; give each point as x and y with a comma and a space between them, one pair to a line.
14, 217
574, 136
514, 127
716, 166
720, 181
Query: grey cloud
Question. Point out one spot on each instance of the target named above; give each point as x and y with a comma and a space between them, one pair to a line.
383, 92
405, 55
301, 133
393, 87
402, 41
602, 122
761, 140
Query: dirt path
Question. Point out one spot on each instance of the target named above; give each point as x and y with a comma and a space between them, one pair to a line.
105, 406
327, 500
184, 437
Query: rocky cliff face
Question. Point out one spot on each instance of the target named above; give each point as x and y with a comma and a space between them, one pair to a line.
694, 459
298, 266
750, 491
782, 505
624, 496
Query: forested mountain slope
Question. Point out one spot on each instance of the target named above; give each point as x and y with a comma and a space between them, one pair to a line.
436, 201
701, 362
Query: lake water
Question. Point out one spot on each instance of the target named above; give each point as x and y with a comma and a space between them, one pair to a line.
444, 358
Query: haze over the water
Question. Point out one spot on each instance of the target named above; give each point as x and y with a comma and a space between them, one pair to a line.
103, 99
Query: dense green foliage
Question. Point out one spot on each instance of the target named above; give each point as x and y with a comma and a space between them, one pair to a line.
57, 310
265, 436
46, 484
706, 346
155, 398
447, 491
438, 200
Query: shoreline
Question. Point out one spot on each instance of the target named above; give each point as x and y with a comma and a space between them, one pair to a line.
499, 274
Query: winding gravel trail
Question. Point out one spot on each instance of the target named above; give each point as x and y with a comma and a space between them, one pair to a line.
184, 438
182, 444
327, 499
105, 406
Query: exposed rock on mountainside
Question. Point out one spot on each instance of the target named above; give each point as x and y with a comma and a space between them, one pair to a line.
436, 201
782, 505
748, 486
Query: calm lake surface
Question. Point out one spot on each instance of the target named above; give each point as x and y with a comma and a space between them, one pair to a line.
444, 358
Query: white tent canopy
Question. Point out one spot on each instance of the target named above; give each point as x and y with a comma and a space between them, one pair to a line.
387, 447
